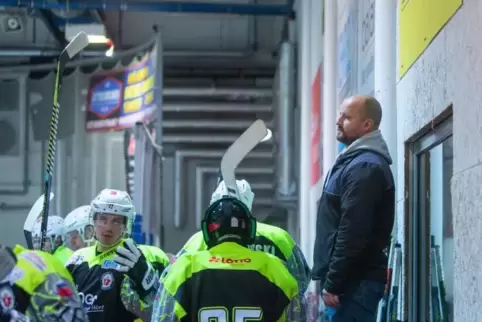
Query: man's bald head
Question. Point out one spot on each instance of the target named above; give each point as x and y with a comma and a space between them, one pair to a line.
359, 115
372, 110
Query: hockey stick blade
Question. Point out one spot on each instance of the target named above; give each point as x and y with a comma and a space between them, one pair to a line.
238, 151
76, 45
34, 213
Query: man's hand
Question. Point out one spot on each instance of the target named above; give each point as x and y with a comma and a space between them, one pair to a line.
330, 300
132, 262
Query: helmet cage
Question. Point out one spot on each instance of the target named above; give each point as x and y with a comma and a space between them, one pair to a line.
228, 218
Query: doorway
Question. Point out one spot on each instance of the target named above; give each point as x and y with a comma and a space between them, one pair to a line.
429, 246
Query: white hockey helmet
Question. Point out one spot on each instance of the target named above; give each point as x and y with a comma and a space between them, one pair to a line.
246, 195
55, 231
79, 220
115, 202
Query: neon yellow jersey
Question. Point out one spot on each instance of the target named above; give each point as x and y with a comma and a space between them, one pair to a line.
155, 256
40, 288
272, 240
228, 282
63, 254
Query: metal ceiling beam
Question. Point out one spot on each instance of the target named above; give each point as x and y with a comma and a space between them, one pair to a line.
166, 6
48, 19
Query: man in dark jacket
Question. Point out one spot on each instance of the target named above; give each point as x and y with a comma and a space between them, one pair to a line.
355, 215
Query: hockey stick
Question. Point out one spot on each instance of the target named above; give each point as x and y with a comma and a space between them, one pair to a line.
34, 213
73, 48
233, 156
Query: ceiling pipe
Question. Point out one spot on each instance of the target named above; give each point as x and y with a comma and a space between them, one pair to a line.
37, 52
165, 6
208, 124
216, 91
200, 191
179, 157
217, 107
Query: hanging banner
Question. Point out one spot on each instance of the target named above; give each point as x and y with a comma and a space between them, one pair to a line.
119, 99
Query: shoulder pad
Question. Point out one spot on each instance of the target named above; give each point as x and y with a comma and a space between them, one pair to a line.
34, 259
77, 257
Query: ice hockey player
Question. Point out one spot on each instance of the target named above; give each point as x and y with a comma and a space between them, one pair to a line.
270, 239
101, 272
35, 286
79, 228
54, 239
228, 281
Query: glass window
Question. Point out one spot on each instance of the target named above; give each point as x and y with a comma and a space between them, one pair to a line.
441, 231
430, 236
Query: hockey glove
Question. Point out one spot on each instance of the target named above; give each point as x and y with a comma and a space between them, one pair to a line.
132, 262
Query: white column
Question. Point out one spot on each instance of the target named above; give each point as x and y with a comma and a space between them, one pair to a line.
316, 56
304, 82
330, 63
385, 72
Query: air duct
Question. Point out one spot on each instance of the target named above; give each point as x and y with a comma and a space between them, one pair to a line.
216, 91
164, 6
285, 99
208, 124
217, 107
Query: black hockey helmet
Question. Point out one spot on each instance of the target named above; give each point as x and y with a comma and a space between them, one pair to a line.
228, 218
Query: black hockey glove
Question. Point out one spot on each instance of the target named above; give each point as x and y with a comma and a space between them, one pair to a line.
132, 262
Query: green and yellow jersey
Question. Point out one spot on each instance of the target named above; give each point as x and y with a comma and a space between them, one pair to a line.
39, 288
228, 282
272, 240
107, 294
155, 256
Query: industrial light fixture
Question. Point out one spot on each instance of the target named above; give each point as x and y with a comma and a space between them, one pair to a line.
95, 33
101, 39
109, 52
98, 39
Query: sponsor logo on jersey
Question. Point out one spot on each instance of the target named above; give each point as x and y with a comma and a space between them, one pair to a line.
227, 260
109, 264
106, 281
75, 259
107, 253
7, 299
35, 259
89, 301
263, 248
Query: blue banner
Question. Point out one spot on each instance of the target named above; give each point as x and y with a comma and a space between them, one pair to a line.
119, 99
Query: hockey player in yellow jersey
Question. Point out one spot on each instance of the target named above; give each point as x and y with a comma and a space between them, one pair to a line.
79, 228
55, 238
228, 281
270, 239
35, 286
114, 274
